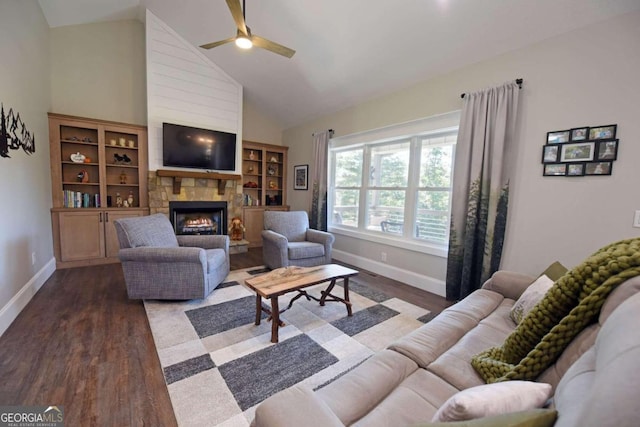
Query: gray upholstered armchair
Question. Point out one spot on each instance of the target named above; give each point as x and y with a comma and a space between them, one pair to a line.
288, 240
157, 264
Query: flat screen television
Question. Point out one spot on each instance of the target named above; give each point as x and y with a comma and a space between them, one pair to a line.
190, 147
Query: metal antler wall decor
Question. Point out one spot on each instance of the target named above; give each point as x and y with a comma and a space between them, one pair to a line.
14, 134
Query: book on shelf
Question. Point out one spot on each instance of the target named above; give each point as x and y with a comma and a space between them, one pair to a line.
77, 199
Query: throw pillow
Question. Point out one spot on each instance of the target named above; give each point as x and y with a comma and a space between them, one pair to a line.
555, 271
530, 297
493, 399
532, 418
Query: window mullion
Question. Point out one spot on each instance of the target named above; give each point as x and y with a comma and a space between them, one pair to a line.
364, 188
411, 194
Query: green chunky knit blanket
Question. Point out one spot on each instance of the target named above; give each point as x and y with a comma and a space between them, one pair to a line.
572, 303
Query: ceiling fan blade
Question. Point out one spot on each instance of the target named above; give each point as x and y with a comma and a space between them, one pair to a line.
238, 16
272, 46
219, 43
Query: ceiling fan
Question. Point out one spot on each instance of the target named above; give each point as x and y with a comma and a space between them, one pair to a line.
244, 39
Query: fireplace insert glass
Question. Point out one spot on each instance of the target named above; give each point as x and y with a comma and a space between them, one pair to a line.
198, 217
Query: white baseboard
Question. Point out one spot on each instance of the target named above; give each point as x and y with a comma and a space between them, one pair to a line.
10, 311
420, 281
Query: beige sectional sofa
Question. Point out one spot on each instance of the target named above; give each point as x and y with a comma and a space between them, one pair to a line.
596, 379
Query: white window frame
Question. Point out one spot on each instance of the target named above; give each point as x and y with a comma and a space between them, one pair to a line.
411, 131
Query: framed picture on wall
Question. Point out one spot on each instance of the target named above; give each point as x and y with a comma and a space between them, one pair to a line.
607, 150
575, 169
579, 152
550, 153
598, 168
558, 136
603, 132
301, 177
555, 169
579, 134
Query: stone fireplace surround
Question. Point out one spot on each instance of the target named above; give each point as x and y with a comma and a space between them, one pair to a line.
193, 189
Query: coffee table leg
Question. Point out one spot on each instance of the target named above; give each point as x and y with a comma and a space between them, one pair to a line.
327, 291
258, 308
346, 296
275, 319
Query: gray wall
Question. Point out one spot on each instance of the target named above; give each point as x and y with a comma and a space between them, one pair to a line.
587, 77
25, 186
98, 71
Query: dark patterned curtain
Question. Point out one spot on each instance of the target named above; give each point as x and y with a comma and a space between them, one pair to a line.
318, 219
480, 195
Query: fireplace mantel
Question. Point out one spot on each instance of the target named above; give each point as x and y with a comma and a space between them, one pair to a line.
178, 175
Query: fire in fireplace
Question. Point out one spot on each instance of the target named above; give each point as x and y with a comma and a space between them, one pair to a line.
198, 217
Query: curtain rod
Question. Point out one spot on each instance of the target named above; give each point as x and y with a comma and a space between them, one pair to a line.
330, 131
518, 82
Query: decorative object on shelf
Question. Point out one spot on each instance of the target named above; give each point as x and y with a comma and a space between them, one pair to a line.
250, 184
272, 169
119, 201
117, 158
251, 155
125, 203
83, 176
580, 151
14, 140
87, 139
130, 198
272, 185
87, 159
236, 229
123, 178
274, 159
132, 143
123, 142
301, 177
274, 200
112, 142
77, 158
250, 169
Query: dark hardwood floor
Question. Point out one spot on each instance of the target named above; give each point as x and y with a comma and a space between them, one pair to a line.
81, 343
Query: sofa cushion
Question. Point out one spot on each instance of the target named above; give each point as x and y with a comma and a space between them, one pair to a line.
602, 387
293, 225
416, 398
493, 399
530, 297
302, 250
362, 389
427, 343
454, 365
152, 231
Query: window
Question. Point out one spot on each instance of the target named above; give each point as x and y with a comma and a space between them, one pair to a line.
395, 189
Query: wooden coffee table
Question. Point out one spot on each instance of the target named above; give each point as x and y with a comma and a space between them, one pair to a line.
284, 280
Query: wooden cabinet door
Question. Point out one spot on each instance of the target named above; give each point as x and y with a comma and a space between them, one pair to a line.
111, 238
81, 235
253, 224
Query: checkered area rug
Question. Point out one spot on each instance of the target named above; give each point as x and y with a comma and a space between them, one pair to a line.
218, 365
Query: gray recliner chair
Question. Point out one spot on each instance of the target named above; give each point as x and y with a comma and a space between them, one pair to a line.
288, 240
157, 264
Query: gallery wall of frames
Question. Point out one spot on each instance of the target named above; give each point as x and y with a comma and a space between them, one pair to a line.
580, 151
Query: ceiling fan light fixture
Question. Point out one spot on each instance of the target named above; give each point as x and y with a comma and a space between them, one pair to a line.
243, 42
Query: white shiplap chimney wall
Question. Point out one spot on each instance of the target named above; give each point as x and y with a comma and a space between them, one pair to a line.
185, 87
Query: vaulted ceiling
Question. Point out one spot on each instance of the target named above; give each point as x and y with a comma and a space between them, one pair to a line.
349, 51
